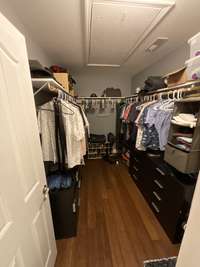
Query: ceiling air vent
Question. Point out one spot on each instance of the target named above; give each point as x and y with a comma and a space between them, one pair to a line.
156, 44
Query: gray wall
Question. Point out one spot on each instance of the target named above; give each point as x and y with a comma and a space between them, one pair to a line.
95, 81
33, 49
171, 62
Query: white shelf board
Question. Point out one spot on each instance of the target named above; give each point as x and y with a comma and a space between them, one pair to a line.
38, 82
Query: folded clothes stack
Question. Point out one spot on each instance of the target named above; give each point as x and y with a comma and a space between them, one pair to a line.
184, 119
183, 147
181, 134
185, 140
184, 143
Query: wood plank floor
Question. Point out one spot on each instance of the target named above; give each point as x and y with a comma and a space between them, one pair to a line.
116, 226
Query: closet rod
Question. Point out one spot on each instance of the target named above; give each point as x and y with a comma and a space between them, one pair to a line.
100, 97
131, 96
184, 87
188, 85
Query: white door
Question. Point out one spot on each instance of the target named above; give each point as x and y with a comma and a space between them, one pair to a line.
26, 232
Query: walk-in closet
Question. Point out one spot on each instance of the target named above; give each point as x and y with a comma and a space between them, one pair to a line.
100, 133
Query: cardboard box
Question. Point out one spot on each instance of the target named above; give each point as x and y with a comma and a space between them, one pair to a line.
62, 78
176, 77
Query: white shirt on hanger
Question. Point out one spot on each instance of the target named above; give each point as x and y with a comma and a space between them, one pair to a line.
46, 125
75, 134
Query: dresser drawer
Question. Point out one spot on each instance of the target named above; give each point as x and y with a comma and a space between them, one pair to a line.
136, 171
166, 181
164, 190
141, 179
169, 216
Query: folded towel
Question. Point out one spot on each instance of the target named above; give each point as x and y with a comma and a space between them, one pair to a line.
187, 117
178, 118
184, 123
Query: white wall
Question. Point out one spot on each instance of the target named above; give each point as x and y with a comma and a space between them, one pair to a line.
96, 81
34, 51
171, 62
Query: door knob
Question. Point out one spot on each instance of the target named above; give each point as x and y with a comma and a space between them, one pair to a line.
45, 191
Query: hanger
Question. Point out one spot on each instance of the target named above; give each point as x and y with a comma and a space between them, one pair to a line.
175, 95
180, 94
168, 95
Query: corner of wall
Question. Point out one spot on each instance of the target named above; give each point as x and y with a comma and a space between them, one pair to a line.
33, 49
171, 62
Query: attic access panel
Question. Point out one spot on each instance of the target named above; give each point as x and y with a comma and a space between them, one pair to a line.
117, 28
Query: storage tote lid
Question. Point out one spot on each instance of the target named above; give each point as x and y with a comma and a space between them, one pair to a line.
192, 60
193, 38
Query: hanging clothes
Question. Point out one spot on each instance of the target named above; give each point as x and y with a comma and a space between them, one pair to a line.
126, 128
64, 130
119, 126
140, 123
75, 135
46, 125
153, 125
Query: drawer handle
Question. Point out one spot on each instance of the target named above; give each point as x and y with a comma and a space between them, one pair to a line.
158, 184
74, 207
135, 168
77, 176
79, 184
155, 207
157, 196
161, 172
135, 177
136, 159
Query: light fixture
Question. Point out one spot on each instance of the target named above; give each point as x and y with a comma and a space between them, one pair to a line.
103, 65
156, 44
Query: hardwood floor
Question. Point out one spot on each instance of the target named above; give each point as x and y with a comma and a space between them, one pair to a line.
116, 226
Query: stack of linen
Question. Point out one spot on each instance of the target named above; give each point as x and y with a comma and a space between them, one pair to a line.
184, 119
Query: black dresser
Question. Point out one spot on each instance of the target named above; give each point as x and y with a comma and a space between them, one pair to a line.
167, 191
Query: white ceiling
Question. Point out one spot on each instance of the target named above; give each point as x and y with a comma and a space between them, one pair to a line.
117, 28
114, 31
59, 27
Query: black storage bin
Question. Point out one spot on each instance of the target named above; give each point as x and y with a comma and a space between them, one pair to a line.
185, 161
64, 206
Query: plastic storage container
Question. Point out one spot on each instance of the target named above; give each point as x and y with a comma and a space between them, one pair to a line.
194, 43
193, 68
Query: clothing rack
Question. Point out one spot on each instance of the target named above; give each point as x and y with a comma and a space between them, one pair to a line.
100, 97
101, 100
188, 87
51, 86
